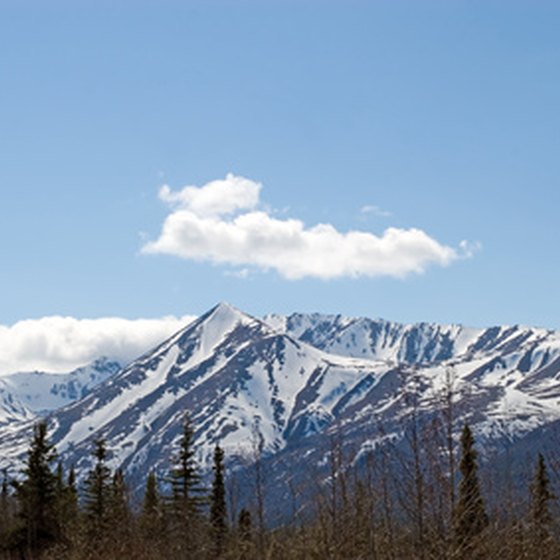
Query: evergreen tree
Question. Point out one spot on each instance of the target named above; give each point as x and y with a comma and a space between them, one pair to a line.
151, 504
118, 514
152, 523
541, 495
119, 508
470, 515
187, 498
245, 525
59, 477
244, 544
5, 483
60, 498
97, 492
185, 521
72, 493
68, 507
36, 494
6, 511
218, 513
66, 501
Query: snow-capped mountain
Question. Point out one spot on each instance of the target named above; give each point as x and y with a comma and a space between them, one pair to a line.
12, 410
414, 344
506, 379
233, 373
24, 395
292, 382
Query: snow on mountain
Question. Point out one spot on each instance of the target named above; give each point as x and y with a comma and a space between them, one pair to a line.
376, 338
40, 392
12, 410
26, 396
232, 372
293, 382
505, 382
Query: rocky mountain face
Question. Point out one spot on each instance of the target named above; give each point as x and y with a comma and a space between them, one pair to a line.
234, 374
506, 379
28, 395
287, 387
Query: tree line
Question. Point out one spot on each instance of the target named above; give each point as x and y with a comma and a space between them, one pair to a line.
370, 512
44, 515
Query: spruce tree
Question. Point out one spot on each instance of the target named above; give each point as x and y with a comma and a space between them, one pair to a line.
97, 493
152, 522
59, 477
245, 525
36, 494
470, 515
119, 507
6, 510
4, 492
187, 498
118, 513
185, 521
151, 504
67, 503
151, 519
218, 513
72, 493
60, 498
245, 543
541, 496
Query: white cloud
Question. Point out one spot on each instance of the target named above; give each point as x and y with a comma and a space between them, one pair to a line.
220, 223
219, 197
375, 210
469, 249
61, 344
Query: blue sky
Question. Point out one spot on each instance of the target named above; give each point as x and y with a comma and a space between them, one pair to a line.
443, 115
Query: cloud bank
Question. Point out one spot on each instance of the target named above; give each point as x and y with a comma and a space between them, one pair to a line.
222, 223
62, 344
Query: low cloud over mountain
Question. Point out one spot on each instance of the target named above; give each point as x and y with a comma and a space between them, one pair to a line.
61, 344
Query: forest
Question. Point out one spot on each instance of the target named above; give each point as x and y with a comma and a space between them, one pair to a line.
434, 509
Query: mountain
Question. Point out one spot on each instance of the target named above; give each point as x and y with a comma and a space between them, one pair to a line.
232, 372
376, 339
292, 385
12, 410
413, 344
507, 379
41, 392
25, 396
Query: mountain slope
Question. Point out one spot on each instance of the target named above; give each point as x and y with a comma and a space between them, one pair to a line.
413, 344
25, 396
293, 383
41, 392
233, 373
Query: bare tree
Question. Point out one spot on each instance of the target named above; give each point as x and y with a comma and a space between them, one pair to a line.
257, 449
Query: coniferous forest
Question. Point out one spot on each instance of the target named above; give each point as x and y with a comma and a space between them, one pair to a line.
419, 511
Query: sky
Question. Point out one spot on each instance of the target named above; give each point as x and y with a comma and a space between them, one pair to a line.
371, 158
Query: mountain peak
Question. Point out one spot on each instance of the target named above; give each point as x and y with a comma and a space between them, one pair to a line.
295, 379
224, 316
211, 330
226, 308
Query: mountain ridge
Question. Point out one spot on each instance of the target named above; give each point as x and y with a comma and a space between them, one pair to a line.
293, 381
